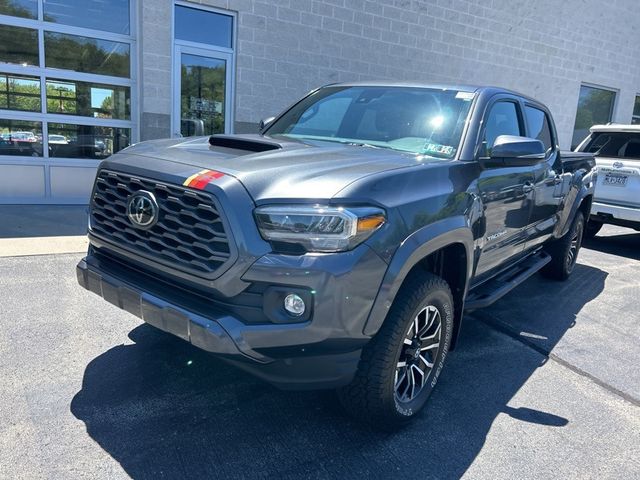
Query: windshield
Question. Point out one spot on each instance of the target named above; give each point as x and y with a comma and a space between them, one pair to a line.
417, 120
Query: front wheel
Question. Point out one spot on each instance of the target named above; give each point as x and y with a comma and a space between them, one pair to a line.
400, 366
564, 252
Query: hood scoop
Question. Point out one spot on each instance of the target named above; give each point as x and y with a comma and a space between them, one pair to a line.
248, 143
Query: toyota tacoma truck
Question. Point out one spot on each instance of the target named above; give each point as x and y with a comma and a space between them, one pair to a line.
340, 246
617, 196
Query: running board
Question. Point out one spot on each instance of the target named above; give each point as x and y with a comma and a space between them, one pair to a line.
498, 287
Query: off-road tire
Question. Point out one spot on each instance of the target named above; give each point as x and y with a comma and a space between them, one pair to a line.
564, 252
592, 228
371, 396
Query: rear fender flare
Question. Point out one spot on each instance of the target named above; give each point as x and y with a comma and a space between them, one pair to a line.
585, 189
416, 247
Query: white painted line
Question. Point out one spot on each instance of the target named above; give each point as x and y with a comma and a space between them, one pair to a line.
16, 247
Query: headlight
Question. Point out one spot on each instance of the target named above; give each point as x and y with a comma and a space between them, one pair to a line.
318, 228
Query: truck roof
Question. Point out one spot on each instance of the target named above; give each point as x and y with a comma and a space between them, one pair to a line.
615, 127
438, 86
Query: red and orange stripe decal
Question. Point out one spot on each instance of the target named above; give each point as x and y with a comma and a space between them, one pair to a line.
202, 178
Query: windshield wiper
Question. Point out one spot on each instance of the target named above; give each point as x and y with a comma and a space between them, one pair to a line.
361, 144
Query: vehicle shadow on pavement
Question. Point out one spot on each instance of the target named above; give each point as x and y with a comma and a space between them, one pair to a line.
626, 245
163, 408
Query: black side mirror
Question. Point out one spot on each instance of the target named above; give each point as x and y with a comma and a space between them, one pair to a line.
512, 150
265, 122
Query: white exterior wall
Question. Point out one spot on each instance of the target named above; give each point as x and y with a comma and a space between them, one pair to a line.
543, 48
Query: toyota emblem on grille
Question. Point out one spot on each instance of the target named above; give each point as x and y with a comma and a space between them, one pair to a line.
618, 164
142, 209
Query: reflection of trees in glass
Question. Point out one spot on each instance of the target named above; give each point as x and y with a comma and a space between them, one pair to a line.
88, 99
83, 54
61, 98
111, 15
20, 93
106, 107
202, 93
19, 8
18, 45
594, 107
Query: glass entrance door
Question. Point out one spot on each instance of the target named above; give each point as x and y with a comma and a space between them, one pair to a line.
203, 93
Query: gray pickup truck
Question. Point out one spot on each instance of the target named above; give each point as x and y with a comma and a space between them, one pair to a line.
340, 247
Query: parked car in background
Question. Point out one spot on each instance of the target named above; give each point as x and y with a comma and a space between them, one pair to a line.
24, 144
340, 247
58, 139
617, 195
22, 137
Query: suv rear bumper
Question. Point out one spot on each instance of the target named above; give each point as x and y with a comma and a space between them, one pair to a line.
615, 214
322, 352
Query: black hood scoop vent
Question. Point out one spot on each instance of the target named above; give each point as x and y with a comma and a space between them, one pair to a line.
249, 143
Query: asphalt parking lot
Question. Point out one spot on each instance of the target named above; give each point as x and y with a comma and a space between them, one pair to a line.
544, 384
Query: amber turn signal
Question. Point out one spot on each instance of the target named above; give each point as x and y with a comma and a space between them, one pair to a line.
368, 224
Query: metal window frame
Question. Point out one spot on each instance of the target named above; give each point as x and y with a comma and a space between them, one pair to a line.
43, 73
206, 50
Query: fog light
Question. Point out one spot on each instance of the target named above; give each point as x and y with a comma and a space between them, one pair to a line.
294, 304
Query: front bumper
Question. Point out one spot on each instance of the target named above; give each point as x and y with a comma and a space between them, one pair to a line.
322, 352
616, 214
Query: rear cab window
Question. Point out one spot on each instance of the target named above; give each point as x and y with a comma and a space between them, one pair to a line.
539, 128
614, 145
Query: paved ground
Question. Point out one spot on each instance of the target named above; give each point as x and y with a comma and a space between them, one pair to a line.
86, 391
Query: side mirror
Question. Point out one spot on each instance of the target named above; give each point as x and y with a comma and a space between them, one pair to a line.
512, 150
265, 122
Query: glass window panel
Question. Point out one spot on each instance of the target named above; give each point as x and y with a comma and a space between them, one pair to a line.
502, 120
84, 54
107, 15
88, 99
539, 126
19, 8
202, 92
20, 138
19, 93
595, 107
201, 26
85, 141
19, 45
636, 111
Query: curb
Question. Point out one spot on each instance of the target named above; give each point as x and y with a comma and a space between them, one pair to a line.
18, 247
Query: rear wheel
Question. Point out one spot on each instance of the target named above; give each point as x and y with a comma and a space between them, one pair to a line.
564, 252
592, 228
400, 366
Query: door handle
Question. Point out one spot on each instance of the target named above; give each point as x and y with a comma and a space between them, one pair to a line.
527, 187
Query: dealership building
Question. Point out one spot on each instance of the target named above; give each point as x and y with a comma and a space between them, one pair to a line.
82, 79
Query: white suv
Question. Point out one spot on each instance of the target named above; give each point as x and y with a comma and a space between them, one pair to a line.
617, 196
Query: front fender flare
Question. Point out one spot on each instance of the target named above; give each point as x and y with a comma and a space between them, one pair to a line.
413, 249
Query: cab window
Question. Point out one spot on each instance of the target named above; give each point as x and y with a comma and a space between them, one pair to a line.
502, 120
539, 128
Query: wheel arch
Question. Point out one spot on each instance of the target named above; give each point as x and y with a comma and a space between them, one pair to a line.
444, 248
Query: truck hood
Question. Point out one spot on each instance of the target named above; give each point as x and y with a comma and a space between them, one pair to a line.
272, 168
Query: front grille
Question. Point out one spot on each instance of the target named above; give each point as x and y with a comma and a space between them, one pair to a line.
189, 234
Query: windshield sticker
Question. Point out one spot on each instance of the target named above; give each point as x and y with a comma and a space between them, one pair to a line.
465, 96
439, 149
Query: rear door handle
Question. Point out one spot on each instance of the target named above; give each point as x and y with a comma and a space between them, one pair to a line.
527, 187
